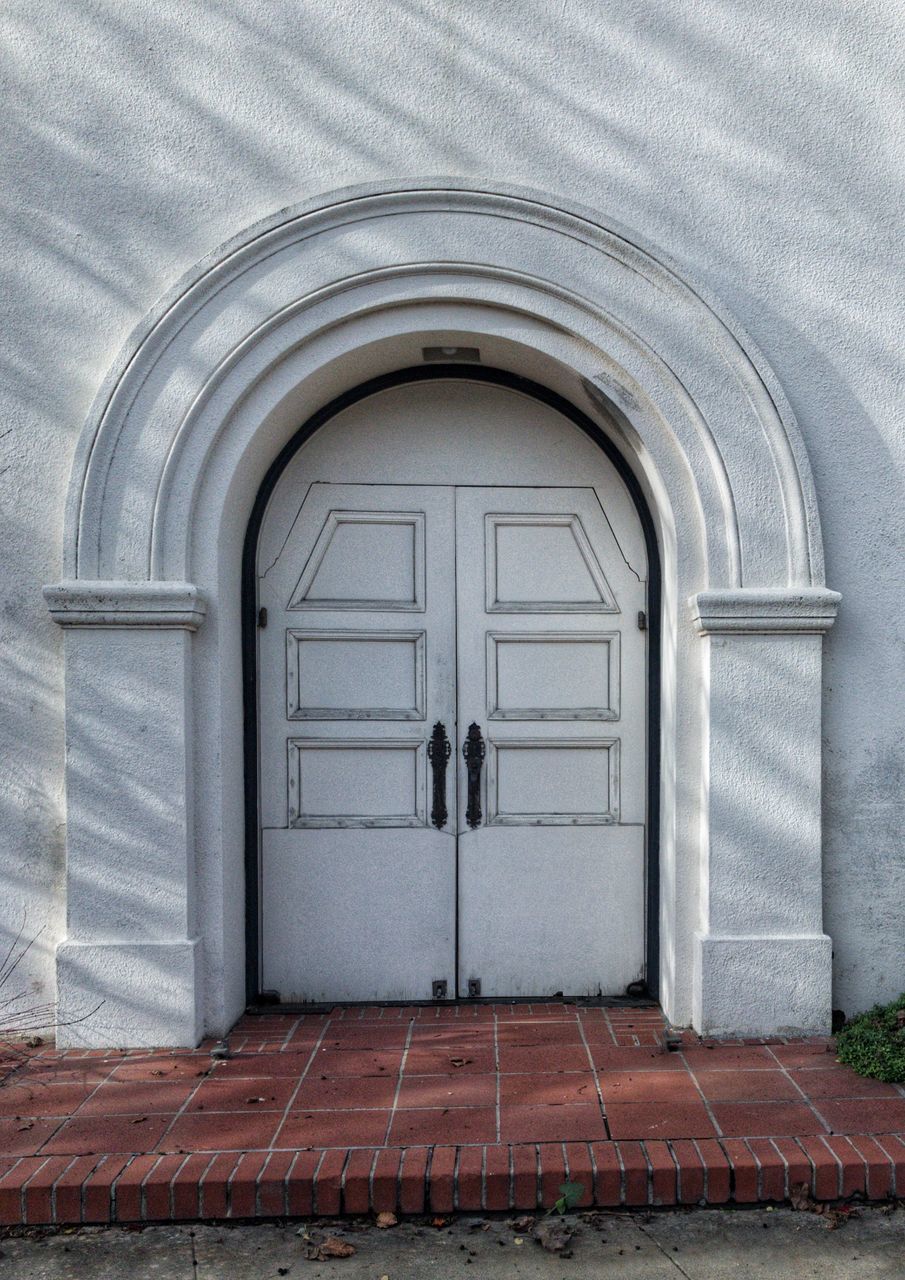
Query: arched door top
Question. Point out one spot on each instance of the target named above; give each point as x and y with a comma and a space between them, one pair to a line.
656, 351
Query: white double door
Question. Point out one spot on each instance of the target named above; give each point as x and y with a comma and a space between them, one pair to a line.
385, 868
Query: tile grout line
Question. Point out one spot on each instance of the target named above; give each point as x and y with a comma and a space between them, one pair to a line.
199, 1185
707, 1107
298, 1084
180, 1112
398, 1090
609, 1025
812, 1164
291, 1032
896, 1191
142, 1187
53, 1191
705, 1172
259, 1178
596, 1075
371, 1172
759, 1177
796, 1085
171, 1191
64, 1120
315, 1180
786, 1171
840, 1172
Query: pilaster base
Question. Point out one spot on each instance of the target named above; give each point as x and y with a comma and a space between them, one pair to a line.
763, 986
129, 993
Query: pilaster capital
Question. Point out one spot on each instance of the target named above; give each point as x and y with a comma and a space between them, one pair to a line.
87, 603
760, 611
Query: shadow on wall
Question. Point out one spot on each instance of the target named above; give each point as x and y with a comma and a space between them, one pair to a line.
748, 141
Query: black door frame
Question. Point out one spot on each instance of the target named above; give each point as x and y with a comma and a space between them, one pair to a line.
402, 377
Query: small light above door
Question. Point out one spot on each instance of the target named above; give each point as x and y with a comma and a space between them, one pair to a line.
467, 355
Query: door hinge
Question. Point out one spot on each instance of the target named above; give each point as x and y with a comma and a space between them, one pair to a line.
438, 989
474, 988
262, 618
642, 620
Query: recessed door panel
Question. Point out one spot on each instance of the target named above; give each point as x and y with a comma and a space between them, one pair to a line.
552, 782
551, 675
355, 675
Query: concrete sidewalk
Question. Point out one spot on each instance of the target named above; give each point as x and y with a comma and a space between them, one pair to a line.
701, 1244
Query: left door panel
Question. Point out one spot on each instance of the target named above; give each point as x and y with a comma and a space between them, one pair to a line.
356, 665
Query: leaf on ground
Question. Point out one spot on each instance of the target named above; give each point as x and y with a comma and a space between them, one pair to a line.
523, 1224
329, 1248
461, 1062
800, 1198
440, 1223
250, 1100
555, 1237
385, 1220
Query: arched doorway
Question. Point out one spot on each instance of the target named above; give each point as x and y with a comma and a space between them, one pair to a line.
204, 397
438, 549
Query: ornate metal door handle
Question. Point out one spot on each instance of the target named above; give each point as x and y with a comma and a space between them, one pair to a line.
473, 754
438, 753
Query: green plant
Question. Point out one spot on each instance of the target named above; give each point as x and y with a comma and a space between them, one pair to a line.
873, 1043
569, 1195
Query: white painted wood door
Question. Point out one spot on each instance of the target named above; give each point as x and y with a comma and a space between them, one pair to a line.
502, 589
551, 667
358, 662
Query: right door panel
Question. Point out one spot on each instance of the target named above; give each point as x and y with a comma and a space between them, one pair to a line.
552, 669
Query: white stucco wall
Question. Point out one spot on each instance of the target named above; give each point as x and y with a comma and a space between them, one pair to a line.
760, 147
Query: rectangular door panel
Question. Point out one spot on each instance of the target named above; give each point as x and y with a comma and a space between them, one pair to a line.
542, 911
356, 782
355, 915
551, 675
355, 675
552, 782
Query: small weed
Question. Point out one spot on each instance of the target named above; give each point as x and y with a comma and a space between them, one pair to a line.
569, 1195
873, 1043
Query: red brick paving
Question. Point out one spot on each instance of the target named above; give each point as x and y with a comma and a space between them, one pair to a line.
437, 1108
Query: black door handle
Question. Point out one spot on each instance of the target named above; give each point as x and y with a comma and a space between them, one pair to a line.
473, 754
438, 753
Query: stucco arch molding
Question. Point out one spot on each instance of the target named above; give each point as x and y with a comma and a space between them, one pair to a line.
209, 388
278, 285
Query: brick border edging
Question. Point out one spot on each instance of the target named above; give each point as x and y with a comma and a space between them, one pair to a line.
67, 1190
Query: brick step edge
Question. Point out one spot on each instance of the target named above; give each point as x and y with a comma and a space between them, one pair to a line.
68, 1190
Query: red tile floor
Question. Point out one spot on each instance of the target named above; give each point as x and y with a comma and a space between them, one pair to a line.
435, 1108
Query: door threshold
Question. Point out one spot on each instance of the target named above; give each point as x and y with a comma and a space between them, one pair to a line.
262, 1008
